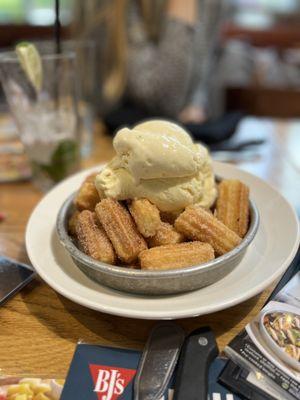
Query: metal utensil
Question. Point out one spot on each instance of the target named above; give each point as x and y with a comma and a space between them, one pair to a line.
240, 146
158, 361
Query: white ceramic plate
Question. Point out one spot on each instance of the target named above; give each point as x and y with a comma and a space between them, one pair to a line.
268, 256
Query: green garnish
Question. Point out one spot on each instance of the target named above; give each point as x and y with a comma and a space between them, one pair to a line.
64, 159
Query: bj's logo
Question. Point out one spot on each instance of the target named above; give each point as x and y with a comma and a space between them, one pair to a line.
110, 382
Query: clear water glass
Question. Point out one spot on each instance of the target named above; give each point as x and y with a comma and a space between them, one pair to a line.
47, 119
87, 87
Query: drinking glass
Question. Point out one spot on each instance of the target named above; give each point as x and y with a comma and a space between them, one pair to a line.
47, 119
85, 51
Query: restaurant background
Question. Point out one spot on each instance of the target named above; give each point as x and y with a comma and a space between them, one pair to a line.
250, 67
260, 43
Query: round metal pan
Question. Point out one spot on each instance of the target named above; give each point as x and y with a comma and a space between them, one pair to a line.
154, 282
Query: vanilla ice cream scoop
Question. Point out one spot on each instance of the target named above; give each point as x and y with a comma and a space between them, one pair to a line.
159, 161
157, 149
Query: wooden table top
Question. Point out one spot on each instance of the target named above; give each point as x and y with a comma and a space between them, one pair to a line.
40, 328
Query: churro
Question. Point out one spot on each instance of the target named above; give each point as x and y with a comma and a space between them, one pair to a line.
146, 216
121, 229
174, 256
93, 239
165, 234
73, 222
87, 196
198, 224
233, 206
169, 216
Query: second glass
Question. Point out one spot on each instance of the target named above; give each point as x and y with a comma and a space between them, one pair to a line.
47, 119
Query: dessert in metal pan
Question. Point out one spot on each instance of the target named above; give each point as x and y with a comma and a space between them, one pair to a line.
123, 213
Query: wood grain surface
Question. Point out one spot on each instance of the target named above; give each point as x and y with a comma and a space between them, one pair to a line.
39, 328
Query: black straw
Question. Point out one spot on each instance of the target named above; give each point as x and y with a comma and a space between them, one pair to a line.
57, 32
57, 27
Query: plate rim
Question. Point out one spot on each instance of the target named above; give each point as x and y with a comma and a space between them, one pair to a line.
159, 314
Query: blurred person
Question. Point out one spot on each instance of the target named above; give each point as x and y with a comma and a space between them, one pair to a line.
156, 54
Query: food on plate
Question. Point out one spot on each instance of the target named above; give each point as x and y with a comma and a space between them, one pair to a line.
284, 329
87, 196
30, 389
169, 217
198, 224
146, 216
158, 160
233, 205
158, 191
73, 222
121, 229
165, 234
93, 239
176, 255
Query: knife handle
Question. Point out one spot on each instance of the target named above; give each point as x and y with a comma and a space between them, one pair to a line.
198, 352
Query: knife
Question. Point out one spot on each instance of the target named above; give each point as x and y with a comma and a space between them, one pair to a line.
198, 352
158, 361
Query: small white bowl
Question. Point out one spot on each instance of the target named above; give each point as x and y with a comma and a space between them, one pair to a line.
56, 389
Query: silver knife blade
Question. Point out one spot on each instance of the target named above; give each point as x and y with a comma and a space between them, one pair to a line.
158, 361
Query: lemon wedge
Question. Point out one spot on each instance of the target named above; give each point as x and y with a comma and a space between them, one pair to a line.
31, 63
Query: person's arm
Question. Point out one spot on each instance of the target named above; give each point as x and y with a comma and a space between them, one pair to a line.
197, 109
185, 11
193, 114
159, 74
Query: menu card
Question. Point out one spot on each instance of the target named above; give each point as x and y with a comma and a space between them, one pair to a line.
107, 373
269, 347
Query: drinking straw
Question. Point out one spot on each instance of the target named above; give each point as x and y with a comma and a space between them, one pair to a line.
57, 27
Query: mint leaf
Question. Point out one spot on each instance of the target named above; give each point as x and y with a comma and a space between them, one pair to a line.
63, 160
